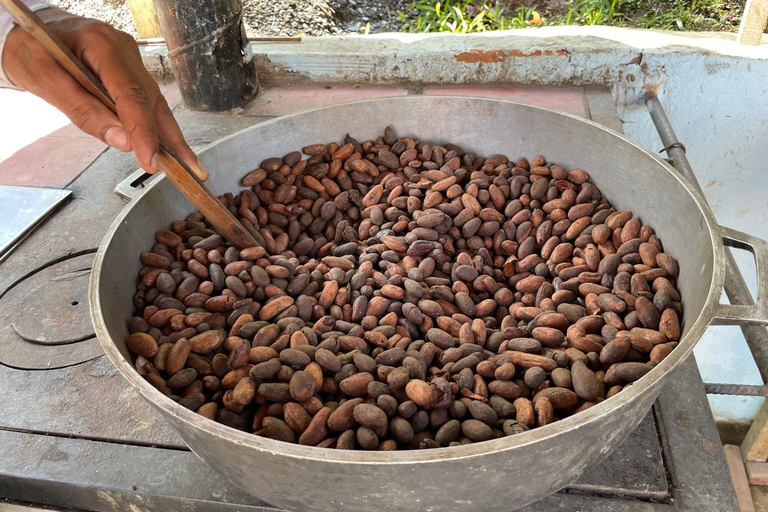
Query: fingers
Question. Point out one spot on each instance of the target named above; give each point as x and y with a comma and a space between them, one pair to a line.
30, 67
170, 133
87, 112
142, 117
134, 109
141, 107
168, 129
103, 49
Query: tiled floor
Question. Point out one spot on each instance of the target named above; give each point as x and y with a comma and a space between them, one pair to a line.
40, 148
52, 161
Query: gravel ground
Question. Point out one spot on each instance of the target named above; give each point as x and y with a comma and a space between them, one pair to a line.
272, 17
115, 12
290, 17
382, 14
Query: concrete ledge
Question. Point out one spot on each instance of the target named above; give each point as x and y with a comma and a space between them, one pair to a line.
155, 59
628, 60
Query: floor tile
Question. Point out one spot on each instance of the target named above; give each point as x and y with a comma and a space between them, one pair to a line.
52, 161
25, 118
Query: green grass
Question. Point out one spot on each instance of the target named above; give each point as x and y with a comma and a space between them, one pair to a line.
467, 16
457, 17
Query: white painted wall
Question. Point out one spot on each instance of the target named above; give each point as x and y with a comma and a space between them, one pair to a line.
32, 118
719, 108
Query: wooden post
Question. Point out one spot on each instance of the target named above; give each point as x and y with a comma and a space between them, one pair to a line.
753, 22
145, 18
757, 472
209, 52
755, 445
739, 477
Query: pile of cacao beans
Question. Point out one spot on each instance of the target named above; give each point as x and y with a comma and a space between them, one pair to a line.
404, 295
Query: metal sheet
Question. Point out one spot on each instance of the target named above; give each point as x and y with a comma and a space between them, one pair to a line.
50, 307
636, 469
692, 445
21, 209
44, 322
90, 400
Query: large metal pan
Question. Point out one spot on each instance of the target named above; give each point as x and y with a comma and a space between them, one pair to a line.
499, 475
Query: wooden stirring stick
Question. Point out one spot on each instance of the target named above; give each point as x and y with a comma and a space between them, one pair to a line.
179, 174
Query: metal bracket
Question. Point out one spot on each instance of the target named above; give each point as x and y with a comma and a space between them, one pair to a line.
673, 145
131, 186
735, 287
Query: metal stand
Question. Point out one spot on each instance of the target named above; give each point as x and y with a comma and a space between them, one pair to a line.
754, 448
735, 287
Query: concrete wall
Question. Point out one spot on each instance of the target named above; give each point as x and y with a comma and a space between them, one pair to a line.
717, 103
714, 91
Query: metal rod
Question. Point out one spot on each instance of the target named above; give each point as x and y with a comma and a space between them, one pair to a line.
736, 389
735, 287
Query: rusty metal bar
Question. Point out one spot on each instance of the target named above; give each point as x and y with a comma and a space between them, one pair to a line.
735, 287
736, 389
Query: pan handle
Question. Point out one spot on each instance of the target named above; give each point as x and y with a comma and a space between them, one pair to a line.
756, 313
131, 186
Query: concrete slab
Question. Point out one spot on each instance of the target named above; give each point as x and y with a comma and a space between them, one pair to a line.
171, 92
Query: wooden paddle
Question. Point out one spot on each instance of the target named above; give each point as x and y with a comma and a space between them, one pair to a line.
179, 174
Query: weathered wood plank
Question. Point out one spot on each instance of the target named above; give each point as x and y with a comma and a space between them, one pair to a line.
739, 477
755, 445
753, 22
145, 18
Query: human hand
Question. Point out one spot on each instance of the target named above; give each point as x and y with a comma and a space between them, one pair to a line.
143, 116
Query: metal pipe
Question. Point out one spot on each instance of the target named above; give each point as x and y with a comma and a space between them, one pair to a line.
735, 287
209, 52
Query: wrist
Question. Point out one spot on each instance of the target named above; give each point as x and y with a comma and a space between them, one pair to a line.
15, 47
7, 25
52, 14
